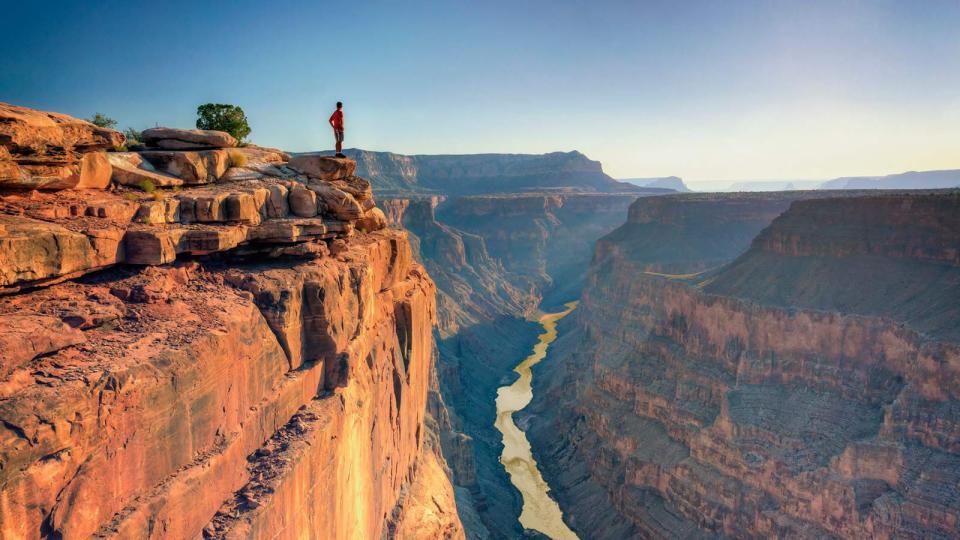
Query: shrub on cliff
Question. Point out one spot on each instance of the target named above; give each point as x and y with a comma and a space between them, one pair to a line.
133, 136
102, 120
223, 117
237, 158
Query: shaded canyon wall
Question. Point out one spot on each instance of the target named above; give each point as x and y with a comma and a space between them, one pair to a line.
708, 405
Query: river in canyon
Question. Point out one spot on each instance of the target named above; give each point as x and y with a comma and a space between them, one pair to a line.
540, 512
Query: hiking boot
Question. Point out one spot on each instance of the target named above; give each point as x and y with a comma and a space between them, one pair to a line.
340, 154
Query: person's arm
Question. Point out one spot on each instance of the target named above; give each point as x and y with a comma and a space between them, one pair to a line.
330, 120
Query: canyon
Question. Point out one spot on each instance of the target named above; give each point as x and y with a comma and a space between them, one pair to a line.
796, 380
638, 437
497, 258
212, 340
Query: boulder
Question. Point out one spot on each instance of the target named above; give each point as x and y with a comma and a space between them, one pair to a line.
373, 220
323, 167
277, 204
95, 171
36, 133
41, 150
193, 167
187, 139
48, 175
360, 188
336, 202
130, 169
303, 202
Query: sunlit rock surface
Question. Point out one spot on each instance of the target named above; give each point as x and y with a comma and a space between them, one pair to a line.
204, 362
788, 393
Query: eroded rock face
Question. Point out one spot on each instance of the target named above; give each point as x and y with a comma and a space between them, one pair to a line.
684, 412
193, 167
400, 175
365, 363
817, 254
231, 370
44, 150
494, 259
130, 169
187, 139
323, 167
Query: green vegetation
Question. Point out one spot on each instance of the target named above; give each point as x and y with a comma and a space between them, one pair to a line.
102, 120
237, 158
133, 136
223, 117
148, 186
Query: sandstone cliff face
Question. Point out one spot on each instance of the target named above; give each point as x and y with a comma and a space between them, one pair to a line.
819, 251
683, 413
679, 234
495, 259
225, 361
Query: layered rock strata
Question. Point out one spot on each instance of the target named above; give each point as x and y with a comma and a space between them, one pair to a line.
398, 175
248, 358
701, 406
45, 150
495, 259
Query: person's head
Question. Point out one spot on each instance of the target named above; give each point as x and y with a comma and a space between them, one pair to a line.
339, 105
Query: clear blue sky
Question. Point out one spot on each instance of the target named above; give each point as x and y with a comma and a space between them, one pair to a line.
704, 90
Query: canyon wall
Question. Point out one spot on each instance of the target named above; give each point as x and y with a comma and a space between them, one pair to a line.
748, 400
471, 174
249, 356
495, 259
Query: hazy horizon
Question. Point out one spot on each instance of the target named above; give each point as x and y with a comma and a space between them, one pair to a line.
707, 91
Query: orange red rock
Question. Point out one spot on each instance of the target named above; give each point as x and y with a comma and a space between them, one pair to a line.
754, 410
42, 150
278, 390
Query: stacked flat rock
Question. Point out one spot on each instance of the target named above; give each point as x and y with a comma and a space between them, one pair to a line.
45, 150
187, 139
323, 167
195, 156
262, 207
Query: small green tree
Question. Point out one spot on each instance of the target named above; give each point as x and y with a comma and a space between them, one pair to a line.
104, 121
133, 136
222, 117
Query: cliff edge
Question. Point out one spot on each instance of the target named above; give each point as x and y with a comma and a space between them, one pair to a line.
237, 348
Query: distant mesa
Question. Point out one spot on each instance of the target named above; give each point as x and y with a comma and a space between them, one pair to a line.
667, 182
773, 185
944, 179
908, 180
477, 174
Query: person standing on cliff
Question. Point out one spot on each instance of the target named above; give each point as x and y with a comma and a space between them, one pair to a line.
336, 122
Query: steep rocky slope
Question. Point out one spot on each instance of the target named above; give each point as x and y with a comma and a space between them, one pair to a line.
495, 258
816, 256
249, 356
711, 405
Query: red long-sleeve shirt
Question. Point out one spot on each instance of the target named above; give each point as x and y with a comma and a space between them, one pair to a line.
337, 119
